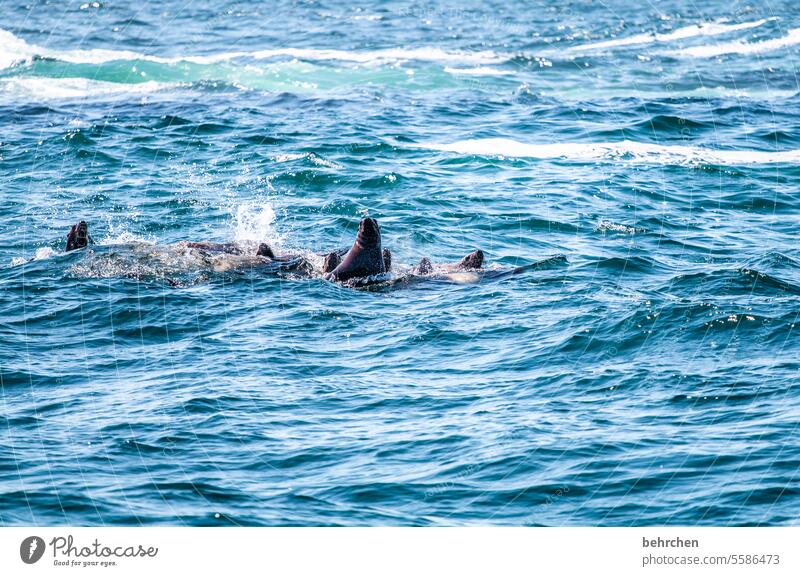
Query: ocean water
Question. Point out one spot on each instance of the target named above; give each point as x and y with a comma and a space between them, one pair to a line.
648, 377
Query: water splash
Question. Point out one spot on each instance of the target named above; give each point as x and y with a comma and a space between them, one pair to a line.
255, 223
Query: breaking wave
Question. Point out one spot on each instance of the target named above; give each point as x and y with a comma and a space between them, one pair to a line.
692, 31
624, 150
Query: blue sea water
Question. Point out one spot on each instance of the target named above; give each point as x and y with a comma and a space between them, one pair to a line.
649, 378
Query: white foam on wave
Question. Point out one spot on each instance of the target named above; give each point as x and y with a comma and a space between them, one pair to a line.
376, 56
41, 254
694, 30
478, 71
310, 156
625, 150
583, 94
57, 88
44, 253
289, 157
722, 92
739, 47
14, 50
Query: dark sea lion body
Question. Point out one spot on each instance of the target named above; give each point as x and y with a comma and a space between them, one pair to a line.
333, 259
78, 236
364, 259
265, 251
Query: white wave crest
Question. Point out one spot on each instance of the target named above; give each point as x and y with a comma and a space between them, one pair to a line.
310, 156
57, 88
738, 47
478, 71
14, 50
585, 93
625, 150
386, 55
704, 29
44, 253
40, 254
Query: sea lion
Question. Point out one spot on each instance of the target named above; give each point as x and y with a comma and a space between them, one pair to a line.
263, 250
78, 236
365, 258
230, 256
225, 247
472, 261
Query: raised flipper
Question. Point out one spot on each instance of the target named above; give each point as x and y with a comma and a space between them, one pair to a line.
331, 261
472, 261
387, 259
424, 267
